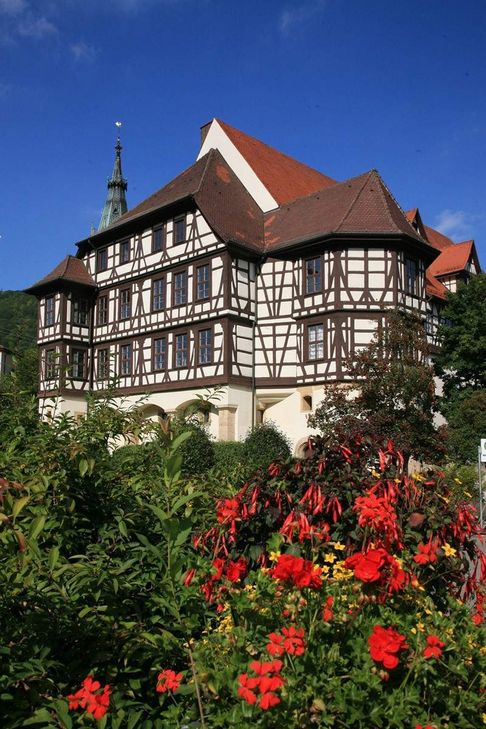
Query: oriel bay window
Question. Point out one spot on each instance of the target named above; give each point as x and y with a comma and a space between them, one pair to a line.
126, 359
205, 346
158, 294
160, 354
125, 304
79, 311
50, 311
315, 341
78, 364
180, 288
312, 275
202, 282
411, 276
181, 350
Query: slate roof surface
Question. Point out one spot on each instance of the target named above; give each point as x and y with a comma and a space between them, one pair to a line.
362, 204
70, 269
284, 177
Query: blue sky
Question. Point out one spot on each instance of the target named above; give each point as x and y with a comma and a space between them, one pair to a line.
343, 85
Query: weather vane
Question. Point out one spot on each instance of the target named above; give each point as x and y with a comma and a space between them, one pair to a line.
118, 126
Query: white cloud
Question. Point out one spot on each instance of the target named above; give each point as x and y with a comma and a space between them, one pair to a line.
12, 7
83, 52
32, 27
455, 223
291, 18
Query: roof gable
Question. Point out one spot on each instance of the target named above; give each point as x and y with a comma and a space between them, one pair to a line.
70, 270
362, 204
453, 259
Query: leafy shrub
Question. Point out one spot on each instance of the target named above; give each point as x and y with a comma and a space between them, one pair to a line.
229, 454
263, 444
198, 450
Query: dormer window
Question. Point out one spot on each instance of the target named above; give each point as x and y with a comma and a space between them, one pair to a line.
179, 229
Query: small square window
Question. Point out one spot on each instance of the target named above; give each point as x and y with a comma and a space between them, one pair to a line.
205, 346
124, 251
202, 282
181, 349
158, 239
102, 259
160, 354
125, 304
315, 334
179, 229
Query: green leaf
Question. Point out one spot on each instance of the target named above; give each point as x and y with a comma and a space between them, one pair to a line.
182, 500
83, 466
53, 557
179, 440
41, 716
19, 505
62, 710
185, 527
122, 528
37, 526
133, 721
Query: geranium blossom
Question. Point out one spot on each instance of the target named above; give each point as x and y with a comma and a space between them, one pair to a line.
261, 687
299, 571
327, 613
434, 647
168, 680
384, 644
427, 553
291, 642
95, 704
377, 513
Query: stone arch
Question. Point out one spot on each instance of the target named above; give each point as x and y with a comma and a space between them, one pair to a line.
300, 450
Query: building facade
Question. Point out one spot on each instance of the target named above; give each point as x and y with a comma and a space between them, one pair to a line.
250, 273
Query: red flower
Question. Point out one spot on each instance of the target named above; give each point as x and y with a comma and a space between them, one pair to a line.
262, 668
268, 700
367, 565
434, 647
236, 570
227, 510
189, 576
377, 512
218, 565
95, 704
419, 726
275, 647
302, 572
426, 553
168, 680
384, 644
327, 613
246, 687
293, 642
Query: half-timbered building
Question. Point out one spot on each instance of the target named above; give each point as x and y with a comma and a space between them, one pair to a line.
250, 272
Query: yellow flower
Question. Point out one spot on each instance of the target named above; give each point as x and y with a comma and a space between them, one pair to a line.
340, 572
421, 627
339, 547
466, 493
458, 480
483, 716
427, 611
375, 473
448, 550
413, 630
331, 558
274, 556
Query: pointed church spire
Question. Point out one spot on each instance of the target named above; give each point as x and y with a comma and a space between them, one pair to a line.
116, 203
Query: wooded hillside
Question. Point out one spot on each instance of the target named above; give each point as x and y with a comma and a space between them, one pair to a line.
18, 320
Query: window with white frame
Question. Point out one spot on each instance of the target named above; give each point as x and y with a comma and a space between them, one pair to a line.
202, 282
126, 359
158, 294
312, 275
205, 346
125, 304
180, 288
50, 311
181, 349
315, 341
78, 364
160, 353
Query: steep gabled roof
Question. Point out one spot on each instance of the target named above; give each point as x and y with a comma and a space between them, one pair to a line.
284, 177
218, 193
362, 204
70, 270
452, 259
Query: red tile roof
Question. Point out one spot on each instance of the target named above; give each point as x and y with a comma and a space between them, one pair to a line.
284, 177
434, 287
452, 259
222, 198
437, 239
360, 205
70, 269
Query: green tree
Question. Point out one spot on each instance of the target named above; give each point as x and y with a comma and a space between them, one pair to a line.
18, 320
461, 362
390, 393
466, 424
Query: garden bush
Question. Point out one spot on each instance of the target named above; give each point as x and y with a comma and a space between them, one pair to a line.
263, 444
334, 591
